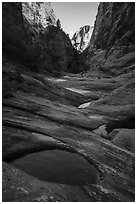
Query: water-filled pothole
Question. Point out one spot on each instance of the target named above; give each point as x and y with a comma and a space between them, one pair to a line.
59, 167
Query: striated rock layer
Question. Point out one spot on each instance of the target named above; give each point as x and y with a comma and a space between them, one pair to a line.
39, 114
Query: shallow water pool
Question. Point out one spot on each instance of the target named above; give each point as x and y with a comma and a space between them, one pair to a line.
59, 167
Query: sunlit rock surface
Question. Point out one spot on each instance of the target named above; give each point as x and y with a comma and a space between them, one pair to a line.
39, 13
81, 38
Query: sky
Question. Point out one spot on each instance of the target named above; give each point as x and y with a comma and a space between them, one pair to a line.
74, 15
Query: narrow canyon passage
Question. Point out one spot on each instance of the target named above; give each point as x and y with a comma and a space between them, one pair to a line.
68, 105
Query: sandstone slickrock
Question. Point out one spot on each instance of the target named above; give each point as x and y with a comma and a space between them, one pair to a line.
124, 138
14, 81
32, 123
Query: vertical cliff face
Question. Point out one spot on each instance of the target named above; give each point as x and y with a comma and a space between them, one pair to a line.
40, 13
81, 38
112, 44
115, 24
14, 35
32, 34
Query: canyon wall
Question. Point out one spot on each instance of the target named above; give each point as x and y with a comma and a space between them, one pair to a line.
40, 13
112, 44
33, 35
114, 25
15, 39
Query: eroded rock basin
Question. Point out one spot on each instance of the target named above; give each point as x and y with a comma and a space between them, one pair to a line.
59, 167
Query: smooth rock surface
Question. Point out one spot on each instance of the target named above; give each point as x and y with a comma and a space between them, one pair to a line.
124, 138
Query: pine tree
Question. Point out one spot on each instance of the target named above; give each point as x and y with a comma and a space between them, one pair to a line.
58, 24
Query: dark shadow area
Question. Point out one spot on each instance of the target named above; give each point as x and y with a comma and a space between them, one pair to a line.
126, 123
